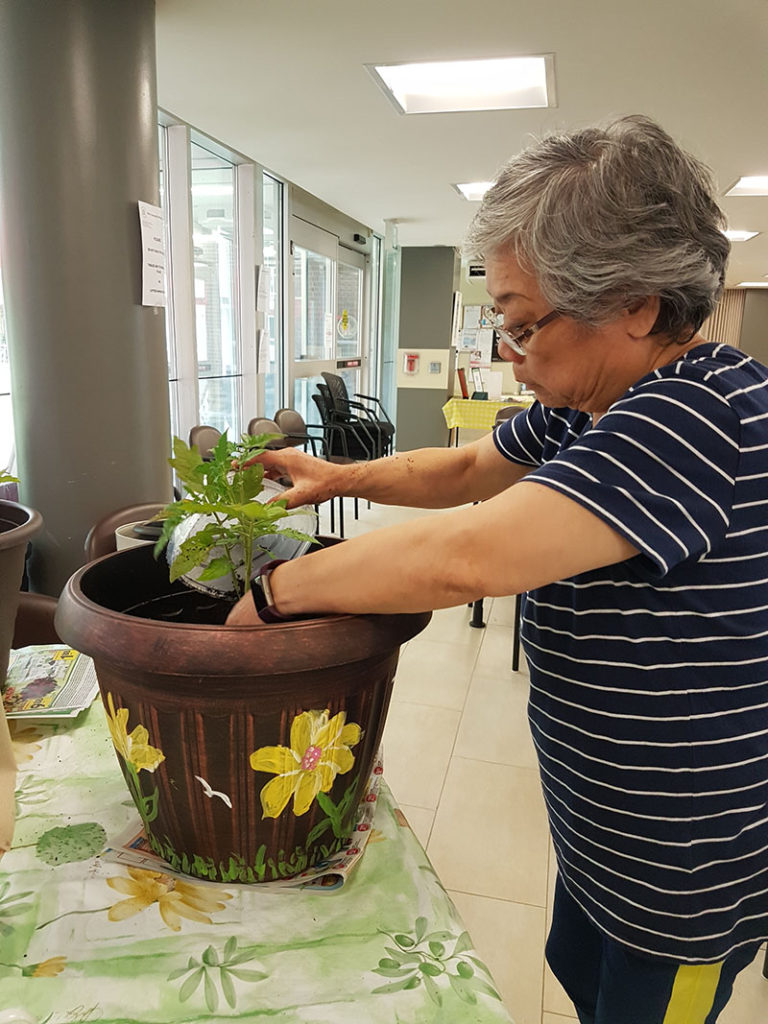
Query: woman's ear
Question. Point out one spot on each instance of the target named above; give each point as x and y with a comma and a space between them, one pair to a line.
641, 315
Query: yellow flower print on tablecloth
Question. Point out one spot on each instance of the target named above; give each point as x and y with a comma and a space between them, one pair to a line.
132, 747
25, 740
47, 969
319, 751
175, 899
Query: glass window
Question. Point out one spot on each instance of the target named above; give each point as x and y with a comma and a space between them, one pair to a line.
173, 374
349, 308
216, 297
349, 312
272, 267
313, 305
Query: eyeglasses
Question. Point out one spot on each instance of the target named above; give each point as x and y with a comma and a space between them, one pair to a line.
515, 341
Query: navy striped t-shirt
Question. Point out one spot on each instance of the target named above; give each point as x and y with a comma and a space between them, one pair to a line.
649, 678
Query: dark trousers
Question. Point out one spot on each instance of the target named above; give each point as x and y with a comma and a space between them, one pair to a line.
609, 984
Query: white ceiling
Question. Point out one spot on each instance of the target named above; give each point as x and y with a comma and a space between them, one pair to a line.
284, 83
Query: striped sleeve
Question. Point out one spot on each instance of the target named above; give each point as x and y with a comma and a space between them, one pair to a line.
659, 467
521, 438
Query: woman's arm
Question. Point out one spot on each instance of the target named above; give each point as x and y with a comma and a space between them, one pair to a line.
522, 538
425, 478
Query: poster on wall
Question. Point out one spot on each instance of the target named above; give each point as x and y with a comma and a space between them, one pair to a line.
152, 255
482, 353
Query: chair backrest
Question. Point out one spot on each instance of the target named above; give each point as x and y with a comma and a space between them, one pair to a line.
337, 393
261, 425
34, 620
507, 413
291, 422
205, 438
100, 539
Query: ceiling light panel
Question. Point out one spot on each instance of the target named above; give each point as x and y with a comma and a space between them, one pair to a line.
739, 236
432, 87
757, 185
473, 190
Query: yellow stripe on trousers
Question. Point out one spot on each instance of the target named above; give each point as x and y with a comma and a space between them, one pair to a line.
693, 993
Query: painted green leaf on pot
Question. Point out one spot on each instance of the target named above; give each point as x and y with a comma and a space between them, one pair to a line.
319, 751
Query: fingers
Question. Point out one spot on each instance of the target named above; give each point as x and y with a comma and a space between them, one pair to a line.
244, 613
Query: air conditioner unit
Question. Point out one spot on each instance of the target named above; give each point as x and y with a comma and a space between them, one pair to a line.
475, 271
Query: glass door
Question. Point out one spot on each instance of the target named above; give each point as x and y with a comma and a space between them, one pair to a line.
313, 307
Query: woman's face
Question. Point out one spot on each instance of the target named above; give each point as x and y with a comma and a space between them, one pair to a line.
565, 363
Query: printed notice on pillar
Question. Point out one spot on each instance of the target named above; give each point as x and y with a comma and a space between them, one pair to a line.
153, 255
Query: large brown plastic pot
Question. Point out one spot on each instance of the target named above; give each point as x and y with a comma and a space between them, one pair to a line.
200, 700
18, 525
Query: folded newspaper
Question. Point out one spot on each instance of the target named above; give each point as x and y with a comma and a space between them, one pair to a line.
48, 681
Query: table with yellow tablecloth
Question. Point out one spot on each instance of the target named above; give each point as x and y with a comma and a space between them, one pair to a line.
476, 414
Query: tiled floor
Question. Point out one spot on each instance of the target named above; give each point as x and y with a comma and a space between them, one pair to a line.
459, 758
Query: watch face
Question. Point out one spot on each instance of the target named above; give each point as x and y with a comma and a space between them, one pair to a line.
266, 548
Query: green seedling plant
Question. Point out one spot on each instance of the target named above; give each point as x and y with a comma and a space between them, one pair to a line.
6, 478
226, 490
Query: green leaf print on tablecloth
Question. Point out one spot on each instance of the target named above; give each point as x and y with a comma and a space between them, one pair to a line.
211, 968
71, 843
430, 958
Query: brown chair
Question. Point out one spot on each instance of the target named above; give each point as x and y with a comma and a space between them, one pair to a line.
262, 425
100, 539
296, 433
205, 439
34, 620
507, 413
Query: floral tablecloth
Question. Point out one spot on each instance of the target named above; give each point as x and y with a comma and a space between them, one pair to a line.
86, 938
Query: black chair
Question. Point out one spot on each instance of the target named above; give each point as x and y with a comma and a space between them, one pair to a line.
346, 434
371, 411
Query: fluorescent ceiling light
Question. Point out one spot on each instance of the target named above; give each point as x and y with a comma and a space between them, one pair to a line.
739, 236
473, 190
757, 185
752, 284
505, 83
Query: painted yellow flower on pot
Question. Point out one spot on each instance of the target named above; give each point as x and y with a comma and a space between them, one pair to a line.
319, 751
132, 747
175, 899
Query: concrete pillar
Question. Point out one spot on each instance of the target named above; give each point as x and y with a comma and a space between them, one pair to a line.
78, 149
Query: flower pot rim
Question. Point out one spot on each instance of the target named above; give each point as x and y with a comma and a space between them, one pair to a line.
23, 531
192, 648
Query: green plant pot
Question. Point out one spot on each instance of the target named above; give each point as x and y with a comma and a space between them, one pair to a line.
247, 750
18, 525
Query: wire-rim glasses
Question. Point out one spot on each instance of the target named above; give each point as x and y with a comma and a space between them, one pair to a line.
515, 341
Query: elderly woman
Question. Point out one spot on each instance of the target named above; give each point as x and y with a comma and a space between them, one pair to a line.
629, 504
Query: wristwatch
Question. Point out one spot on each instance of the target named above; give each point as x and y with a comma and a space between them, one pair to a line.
262, 593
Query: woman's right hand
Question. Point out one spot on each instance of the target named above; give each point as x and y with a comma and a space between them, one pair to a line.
313, 480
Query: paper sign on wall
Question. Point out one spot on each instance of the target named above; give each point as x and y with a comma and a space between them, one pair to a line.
153, 255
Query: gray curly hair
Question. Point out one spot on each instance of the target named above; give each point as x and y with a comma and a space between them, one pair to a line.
604, 217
